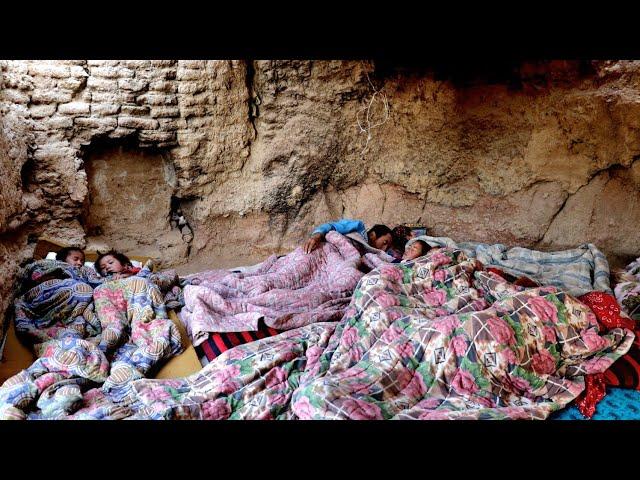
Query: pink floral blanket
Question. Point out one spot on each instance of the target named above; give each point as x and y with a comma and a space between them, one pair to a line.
287, 292
431, 339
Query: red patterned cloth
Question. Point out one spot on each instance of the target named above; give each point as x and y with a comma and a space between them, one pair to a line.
607, 311
594, 391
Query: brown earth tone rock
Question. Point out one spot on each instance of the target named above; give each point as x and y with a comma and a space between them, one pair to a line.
255, 153
129, 200
14, 249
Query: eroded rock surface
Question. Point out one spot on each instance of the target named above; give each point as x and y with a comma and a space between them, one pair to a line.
14, 137
254, 153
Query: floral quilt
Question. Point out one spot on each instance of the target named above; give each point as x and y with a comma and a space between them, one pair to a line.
436, 338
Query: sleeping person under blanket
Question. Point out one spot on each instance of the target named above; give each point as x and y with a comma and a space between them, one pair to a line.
379, 236
115, 265
415, 249
71, 255
418, 248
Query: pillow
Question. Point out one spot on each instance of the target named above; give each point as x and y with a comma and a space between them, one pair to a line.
416, 230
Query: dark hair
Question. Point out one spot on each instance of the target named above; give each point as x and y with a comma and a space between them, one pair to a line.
400, 235
64, 253
121, 257
380, 230
425, 246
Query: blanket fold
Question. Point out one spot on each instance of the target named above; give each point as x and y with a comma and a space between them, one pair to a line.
435, 338
286, 292
86, 339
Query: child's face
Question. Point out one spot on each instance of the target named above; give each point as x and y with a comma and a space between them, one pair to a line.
383, 242
413, 251
75, 258
109, 264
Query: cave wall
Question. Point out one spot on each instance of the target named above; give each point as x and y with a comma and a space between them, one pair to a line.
14, 247
260, 151
129, 201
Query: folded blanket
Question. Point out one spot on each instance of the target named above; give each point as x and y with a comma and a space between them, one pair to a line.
576, 271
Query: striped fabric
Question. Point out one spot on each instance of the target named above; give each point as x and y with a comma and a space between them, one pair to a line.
576, 271
217, 343
625, 372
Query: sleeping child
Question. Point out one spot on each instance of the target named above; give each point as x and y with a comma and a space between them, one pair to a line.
115, 265
415, 249
71, 255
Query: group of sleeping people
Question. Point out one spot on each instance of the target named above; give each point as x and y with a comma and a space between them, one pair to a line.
112, 265
399, 243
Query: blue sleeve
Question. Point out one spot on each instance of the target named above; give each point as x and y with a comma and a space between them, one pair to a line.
343, 226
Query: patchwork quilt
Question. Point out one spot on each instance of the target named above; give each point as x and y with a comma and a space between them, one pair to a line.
436, 338
90, 342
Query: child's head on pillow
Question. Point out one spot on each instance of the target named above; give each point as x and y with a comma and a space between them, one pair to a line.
71, 255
